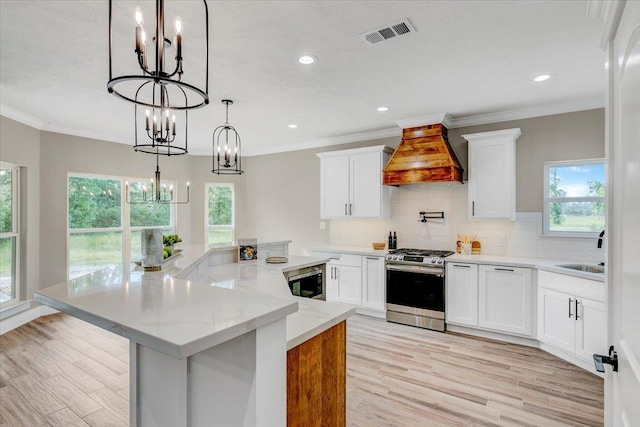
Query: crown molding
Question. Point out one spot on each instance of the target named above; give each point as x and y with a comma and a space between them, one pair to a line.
328, 142
529, 112
19, 116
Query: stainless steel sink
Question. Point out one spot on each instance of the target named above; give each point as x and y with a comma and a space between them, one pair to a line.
587, 268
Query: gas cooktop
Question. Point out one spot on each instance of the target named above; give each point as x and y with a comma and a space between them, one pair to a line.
417, 256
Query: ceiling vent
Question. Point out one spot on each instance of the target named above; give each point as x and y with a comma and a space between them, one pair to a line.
387, 32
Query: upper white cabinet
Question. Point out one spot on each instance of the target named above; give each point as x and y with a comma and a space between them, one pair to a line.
492, 174
351, 183
505, 299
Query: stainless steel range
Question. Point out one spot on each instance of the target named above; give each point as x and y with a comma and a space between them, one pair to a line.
415, 287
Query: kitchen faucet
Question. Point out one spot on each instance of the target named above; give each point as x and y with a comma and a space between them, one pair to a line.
600, 239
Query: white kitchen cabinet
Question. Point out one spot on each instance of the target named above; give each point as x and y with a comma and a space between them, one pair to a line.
462, 294
505, 299
492, 174
571, 314
348, 284
373, 281
351, 183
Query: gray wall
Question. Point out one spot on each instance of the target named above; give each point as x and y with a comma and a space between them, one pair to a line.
20, 145
277, 197
569, 136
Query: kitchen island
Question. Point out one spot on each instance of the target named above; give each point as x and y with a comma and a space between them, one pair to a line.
209, 350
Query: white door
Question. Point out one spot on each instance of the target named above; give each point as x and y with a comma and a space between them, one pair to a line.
373, 282
349, 284
504, 299
591, 330
622, 389
462, 294
366, 185
556, 319
334, 191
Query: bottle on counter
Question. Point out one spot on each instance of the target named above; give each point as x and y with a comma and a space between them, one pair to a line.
390, 242
395, 240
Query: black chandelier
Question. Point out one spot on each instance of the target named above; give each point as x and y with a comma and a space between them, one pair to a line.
157, 191
162, 99
226, 148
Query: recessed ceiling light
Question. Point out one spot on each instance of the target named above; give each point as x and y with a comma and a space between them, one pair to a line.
382, 108
542, 78
293, 126
307, 59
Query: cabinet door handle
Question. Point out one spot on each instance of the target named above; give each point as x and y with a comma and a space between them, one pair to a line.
350, 209
473, 208
570, 314
503, 269
463, 266
336, 273
372, 258
345, 209
577, 302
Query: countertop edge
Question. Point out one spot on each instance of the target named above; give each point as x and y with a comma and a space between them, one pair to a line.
350, 250
323, 327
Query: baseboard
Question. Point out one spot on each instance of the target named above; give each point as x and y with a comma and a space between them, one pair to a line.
371, 312
25, 317
529, 342
571, 358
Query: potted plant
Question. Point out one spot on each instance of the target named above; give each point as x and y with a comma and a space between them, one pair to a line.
171, 239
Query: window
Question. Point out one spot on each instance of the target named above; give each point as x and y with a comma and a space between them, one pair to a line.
9, 237
574, 197
103, 229
220, 213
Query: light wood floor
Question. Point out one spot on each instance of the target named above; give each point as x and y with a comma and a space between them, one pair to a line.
60, 371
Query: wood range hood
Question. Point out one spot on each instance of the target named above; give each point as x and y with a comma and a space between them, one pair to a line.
424, 155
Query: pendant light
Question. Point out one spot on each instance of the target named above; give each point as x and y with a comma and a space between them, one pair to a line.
226, 148
157, 191
161, 96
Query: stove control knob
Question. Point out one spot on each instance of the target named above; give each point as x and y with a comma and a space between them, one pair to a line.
433, 260
440, 261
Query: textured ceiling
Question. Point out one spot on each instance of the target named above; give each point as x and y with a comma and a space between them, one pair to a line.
466, 58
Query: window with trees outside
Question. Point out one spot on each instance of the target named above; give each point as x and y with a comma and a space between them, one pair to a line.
220, 213
574, 198
103, 229
9, 234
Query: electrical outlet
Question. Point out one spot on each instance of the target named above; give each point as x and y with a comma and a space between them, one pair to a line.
323, 225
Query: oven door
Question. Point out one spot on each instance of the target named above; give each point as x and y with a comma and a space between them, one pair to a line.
415, 286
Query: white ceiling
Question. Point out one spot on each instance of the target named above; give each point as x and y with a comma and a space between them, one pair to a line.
471, 59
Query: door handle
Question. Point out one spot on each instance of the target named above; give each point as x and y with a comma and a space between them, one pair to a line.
473, 208
503, 269
345, 209
599, 360
577, 302
458, 265
350, 209
570, 301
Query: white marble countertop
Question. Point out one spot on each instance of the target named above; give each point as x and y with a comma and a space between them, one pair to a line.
313, 316
181, 317
356, 250
539, 263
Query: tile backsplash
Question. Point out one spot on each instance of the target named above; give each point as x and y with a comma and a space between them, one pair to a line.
521, 237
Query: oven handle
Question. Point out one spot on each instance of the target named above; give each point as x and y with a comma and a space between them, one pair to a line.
416, 269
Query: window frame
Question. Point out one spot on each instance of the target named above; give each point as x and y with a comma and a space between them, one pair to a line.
125, 217
547, 200
207, 226
14, 233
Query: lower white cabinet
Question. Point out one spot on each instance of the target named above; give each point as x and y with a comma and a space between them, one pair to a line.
347, 284
462, 294
373, 280
491, 297
571, 314
359, 280
505, 299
